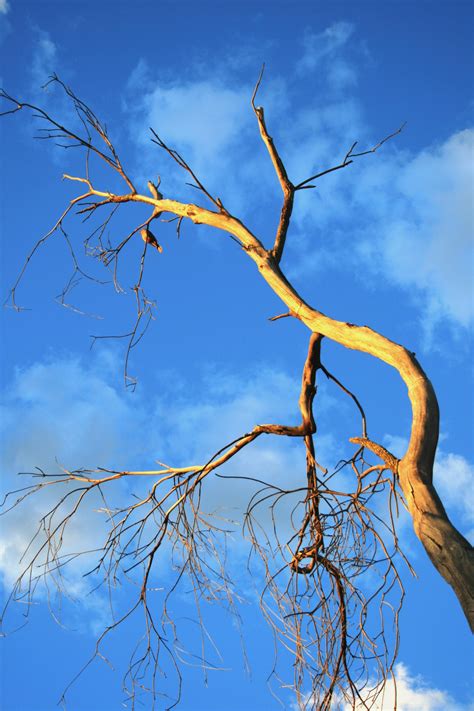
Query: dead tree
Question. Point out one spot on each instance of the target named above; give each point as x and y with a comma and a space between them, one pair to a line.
315, 595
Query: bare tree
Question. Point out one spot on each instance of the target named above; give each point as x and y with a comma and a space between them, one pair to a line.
317, 593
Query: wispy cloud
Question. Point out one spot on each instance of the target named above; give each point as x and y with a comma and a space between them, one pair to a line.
61, 414
423, 237
44, 62
209, 120
323, 51
204, 119
4, 7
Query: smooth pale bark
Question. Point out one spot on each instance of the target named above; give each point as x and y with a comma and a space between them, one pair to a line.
451, 554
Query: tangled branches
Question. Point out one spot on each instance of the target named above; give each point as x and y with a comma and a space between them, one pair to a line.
327, 561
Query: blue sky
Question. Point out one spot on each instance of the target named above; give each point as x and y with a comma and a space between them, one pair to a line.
387, 242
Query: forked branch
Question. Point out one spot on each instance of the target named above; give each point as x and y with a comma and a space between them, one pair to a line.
287, 186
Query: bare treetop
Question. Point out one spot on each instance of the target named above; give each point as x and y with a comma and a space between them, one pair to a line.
331, 589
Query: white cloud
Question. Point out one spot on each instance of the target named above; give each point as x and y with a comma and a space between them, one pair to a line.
208, 119
203, 119
4, 7
411, 220
414, 694
428, 240
62, 414
411, 693
454, 479
64, 411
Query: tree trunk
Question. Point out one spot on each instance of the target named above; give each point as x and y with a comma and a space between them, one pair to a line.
451, 554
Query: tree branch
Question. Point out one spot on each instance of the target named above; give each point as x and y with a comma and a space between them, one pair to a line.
348, 159
285, 183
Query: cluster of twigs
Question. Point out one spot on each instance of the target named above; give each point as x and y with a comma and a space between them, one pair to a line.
329, 571
322, 585
94, 141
